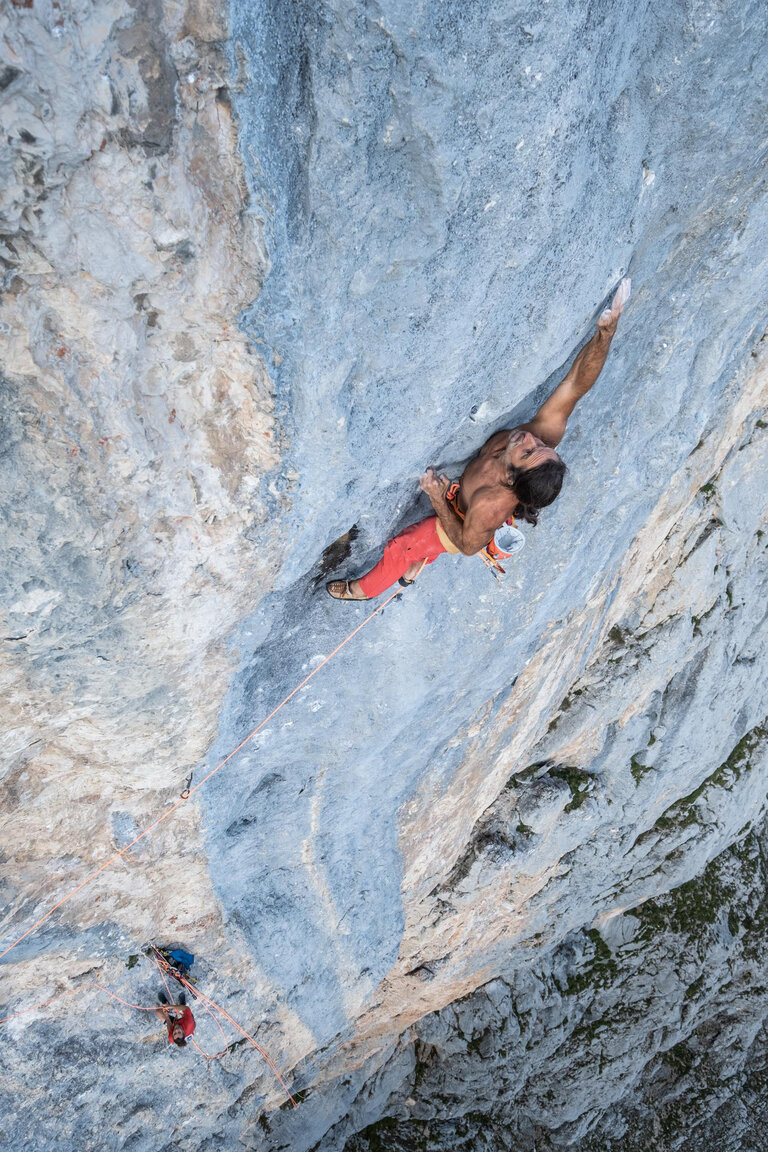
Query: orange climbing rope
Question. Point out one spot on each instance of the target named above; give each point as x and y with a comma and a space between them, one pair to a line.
206, 1002
161, 963
223, 1034
189, 792
161, 970
73, 992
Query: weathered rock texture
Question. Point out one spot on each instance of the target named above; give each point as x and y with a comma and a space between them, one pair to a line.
646, 1033
496, 875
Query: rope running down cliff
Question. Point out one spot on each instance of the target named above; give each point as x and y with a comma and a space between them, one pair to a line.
207, 1003
191, 791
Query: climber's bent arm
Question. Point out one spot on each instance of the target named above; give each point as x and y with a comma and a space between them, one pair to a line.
487, 511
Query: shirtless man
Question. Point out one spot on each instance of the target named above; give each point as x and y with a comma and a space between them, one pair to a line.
515, 474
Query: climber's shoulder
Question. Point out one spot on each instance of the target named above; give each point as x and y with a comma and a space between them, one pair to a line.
496, 443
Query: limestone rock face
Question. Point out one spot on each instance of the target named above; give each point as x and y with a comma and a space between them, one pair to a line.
648, 1032
494, 877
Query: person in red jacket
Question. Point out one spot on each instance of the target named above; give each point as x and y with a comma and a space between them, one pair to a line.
178, 1019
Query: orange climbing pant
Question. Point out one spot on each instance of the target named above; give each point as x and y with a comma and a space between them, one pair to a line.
424, 541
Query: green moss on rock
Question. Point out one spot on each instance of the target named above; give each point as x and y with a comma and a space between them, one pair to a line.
639, 770
577, 780
681, 813
599, 972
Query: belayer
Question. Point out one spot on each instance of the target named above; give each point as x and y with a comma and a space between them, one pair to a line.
514, 475
178, 1019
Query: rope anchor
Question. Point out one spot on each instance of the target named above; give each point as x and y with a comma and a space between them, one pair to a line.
187, 785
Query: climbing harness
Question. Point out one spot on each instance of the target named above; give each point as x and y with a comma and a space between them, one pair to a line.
506, 541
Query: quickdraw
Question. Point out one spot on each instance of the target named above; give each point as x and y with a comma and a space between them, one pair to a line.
187, 786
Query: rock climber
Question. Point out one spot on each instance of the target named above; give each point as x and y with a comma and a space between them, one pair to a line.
178, 1019
514, 475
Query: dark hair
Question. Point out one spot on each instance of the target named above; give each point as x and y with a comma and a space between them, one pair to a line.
536, 488
181, 1041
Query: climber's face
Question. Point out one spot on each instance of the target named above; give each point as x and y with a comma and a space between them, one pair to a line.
525, 451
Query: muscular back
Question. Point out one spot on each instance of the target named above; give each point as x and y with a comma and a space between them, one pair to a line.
480, 479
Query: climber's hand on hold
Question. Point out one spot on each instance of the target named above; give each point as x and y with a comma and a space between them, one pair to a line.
609, 317
435, 484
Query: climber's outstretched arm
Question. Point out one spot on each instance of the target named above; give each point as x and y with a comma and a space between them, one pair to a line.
550, 420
